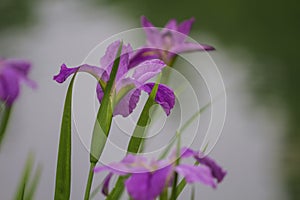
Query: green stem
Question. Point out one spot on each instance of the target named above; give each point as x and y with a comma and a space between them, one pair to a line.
174, 187
4, 121
89, 182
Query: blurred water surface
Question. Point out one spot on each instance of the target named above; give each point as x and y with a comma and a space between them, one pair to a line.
250, 147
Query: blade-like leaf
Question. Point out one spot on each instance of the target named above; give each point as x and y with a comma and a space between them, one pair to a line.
5, 113
102, 123
104, 115
63, 170
26, 173
30, 192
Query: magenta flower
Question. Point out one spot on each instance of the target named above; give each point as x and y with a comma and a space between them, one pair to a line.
12, 73
168, 42
148, 179
128, 86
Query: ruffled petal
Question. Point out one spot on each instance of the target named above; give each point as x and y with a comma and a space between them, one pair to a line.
147, 70
165, 97
216, 170
194, 174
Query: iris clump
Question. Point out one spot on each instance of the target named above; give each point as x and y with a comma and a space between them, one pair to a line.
122, 75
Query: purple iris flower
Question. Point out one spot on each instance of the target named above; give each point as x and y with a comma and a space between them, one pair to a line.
128, 83
165, 44
12, 73
147, 179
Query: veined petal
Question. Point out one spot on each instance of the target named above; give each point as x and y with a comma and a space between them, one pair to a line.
194, 174
165, 97
147, 70
216, 170
142, 55
110, 55
128, 103
189, 47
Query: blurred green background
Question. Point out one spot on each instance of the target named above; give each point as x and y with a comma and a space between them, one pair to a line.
269, 30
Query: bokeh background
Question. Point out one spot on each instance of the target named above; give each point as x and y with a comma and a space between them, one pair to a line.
257, 53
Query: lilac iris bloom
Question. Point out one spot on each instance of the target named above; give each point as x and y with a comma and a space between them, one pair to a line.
168, 42
12, 73
128, 86
147, 179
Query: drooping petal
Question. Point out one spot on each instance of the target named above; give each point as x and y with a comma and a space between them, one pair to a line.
65, 72
190, 47
216, 170
9, 86
165, 96
194, 174
12, 72
128, 103
105, 187
137, 186
147, 70
147, 186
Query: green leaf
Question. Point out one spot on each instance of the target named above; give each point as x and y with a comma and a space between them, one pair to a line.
102, 123
104, 115
29, 194
182, 129
63, 170
137, 137
5, 114
26, 173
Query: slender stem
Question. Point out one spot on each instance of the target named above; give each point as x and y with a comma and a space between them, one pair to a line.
89, 182
4, 121
174, 188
